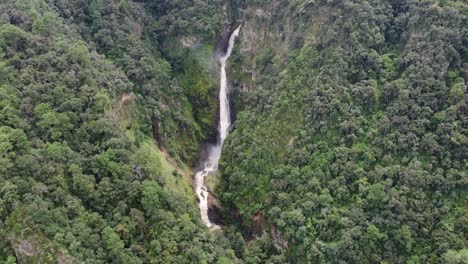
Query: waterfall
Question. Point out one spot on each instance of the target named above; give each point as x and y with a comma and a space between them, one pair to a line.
214, 151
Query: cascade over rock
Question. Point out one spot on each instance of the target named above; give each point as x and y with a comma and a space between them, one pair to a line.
214, 150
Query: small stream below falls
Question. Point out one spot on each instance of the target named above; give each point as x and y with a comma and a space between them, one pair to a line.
214, 150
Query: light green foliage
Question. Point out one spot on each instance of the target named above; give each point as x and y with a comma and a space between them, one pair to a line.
12, 38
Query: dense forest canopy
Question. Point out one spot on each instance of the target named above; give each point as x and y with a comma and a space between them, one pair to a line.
84, 89
353, 144
349, 143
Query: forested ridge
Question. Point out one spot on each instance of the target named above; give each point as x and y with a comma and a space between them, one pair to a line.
352, 146
85, 89
349, 142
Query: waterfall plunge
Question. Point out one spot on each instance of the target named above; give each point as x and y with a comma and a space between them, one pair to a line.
214, 151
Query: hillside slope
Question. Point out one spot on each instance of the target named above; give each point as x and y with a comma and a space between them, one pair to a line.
348, 145
351, 145
87, 94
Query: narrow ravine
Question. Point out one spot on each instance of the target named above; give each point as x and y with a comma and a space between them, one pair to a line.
214, 150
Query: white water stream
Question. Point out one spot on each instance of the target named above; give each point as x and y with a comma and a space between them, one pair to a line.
214, 151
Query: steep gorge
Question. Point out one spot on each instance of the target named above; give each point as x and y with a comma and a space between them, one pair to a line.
347, 143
